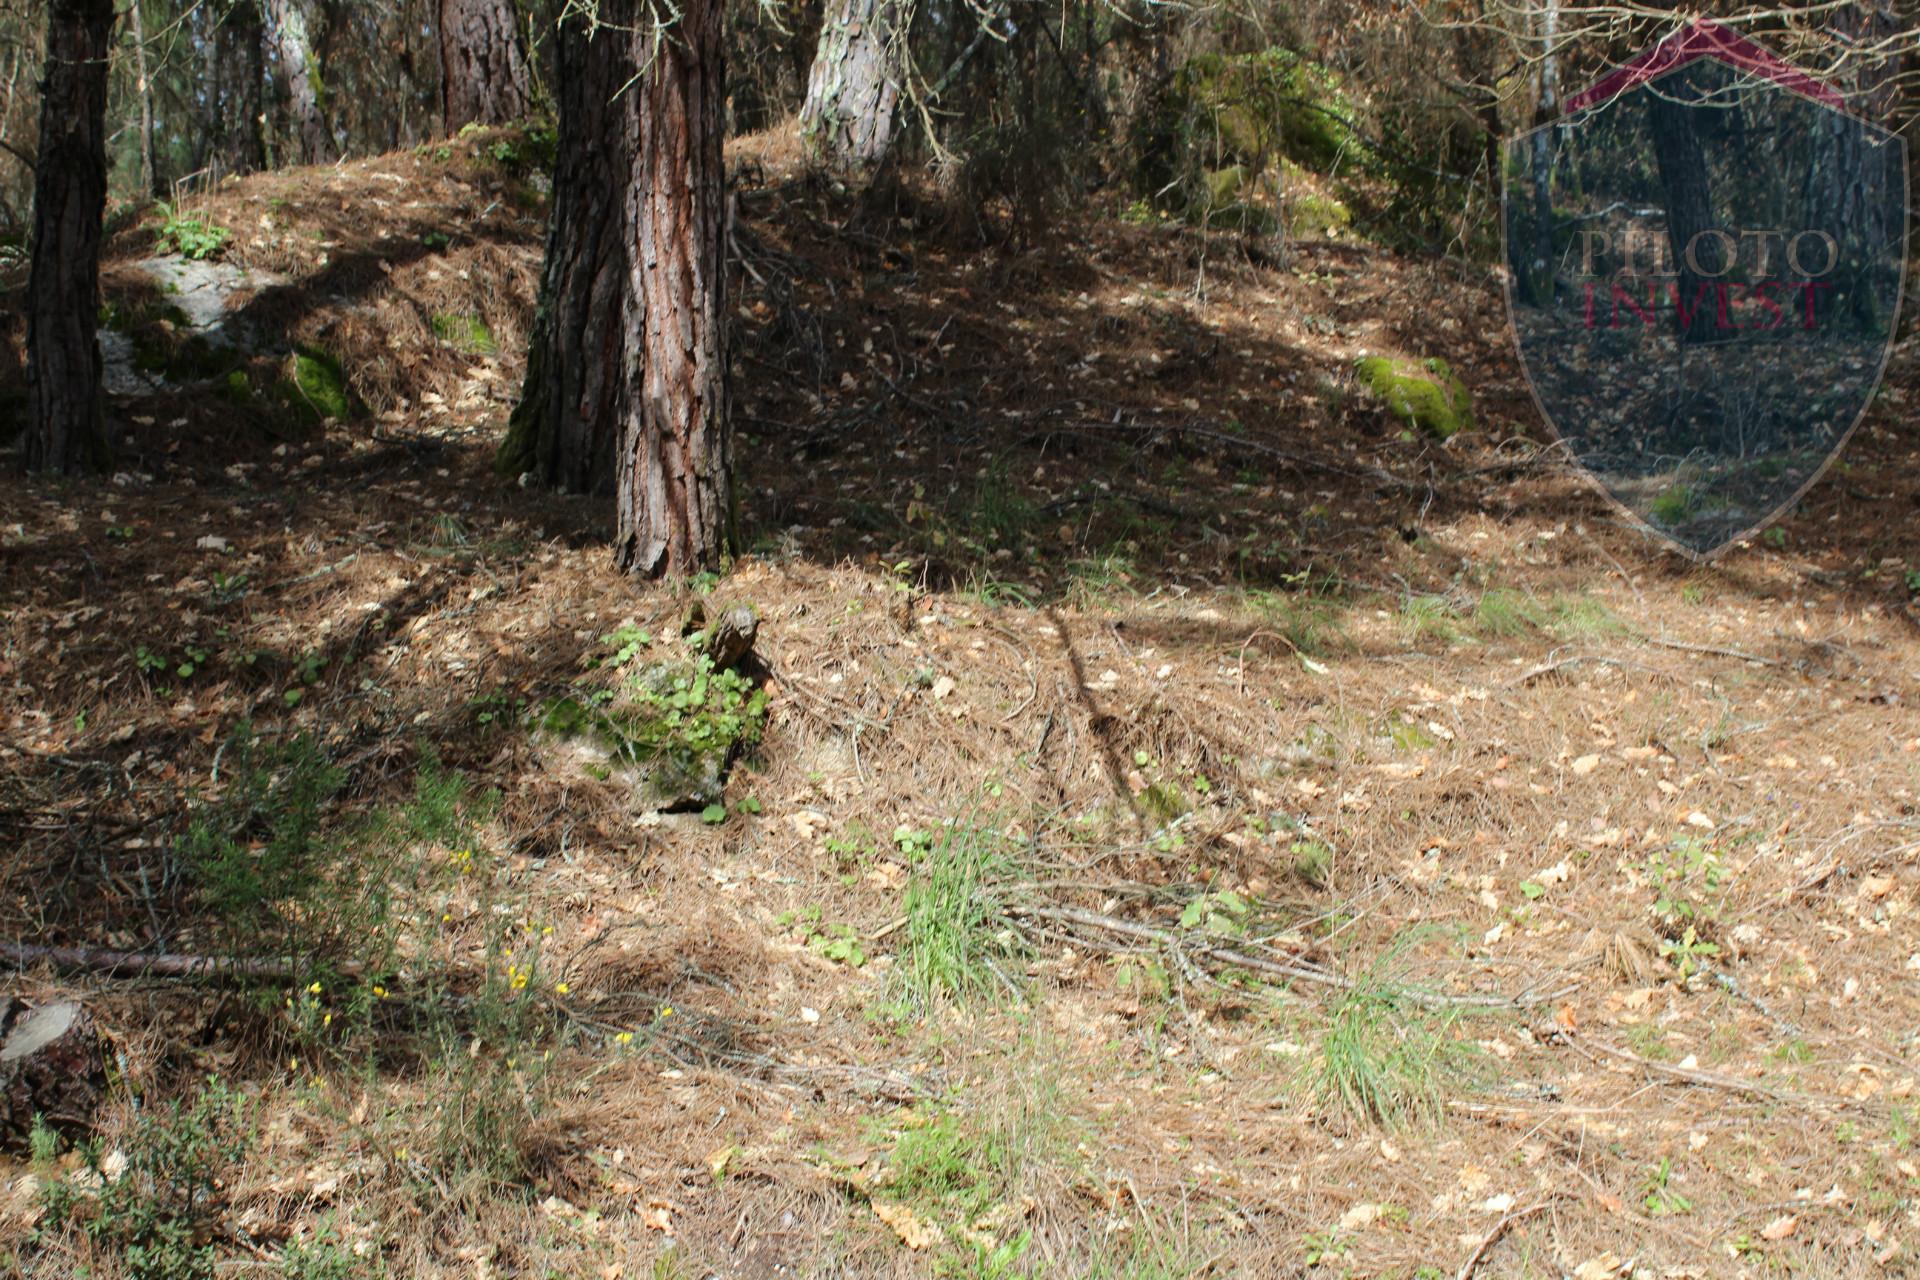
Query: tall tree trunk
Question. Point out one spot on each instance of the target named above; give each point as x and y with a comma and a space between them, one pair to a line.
674, 487
1689, 204
853, 91
68, 431
626, 388
565, 427
1542, 280
483, 70
143, 86
237, 70
291, 30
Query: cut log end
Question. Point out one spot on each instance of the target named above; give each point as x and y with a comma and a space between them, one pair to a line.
52, 1065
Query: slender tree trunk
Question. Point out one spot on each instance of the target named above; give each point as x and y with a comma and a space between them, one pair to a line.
1545, 270
483, 70
237, 70
291, 30
68, 432
1689, 205
853, 91
626, 389
143, 85
674, 484
565, 427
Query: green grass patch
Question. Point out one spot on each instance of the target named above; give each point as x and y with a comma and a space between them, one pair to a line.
1387, 1059
957, 940
1311, 620
466, 333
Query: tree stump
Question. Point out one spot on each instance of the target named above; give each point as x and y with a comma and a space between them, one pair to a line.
52, 1064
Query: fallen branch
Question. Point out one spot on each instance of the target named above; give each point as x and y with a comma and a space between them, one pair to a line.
1548, 668
157, 964
1719, 1080
1187, 947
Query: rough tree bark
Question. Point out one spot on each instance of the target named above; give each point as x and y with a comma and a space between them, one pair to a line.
674, 481
290, 24
237, 69
68, 430
483, 70
1689, 205
853, 91
626, 385
565, 427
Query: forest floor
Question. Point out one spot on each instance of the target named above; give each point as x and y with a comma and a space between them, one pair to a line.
1196, 830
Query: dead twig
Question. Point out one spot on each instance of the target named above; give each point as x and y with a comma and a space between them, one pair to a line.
1492, 1237
1713, 651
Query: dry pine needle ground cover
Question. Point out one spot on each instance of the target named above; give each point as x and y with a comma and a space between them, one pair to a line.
1195, 831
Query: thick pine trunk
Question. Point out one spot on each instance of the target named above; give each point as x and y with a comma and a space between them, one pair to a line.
675, 484
290, 24
626, 389
483, 70
565, 427
237, 69
68, 432
1689, 207
853, 91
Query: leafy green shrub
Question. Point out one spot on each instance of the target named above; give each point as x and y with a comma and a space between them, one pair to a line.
159, 1209
1689, 884
191, 235
698, 710
279, 883
324, 1257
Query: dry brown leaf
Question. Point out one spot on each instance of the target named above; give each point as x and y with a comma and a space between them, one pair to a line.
1599, 1267
913, 1233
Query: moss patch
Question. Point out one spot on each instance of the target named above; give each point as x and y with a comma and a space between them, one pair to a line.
1229, 200
1424, 394
1309, 214
316, 383
1257, 106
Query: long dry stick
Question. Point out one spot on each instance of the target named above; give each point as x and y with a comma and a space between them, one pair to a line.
1235, 957
158, 964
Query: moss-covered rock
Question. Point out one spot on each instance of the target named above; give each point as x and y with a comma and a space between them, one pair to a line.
1424, 394
1230, 199
1254, 107
1310, 214
676, 724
